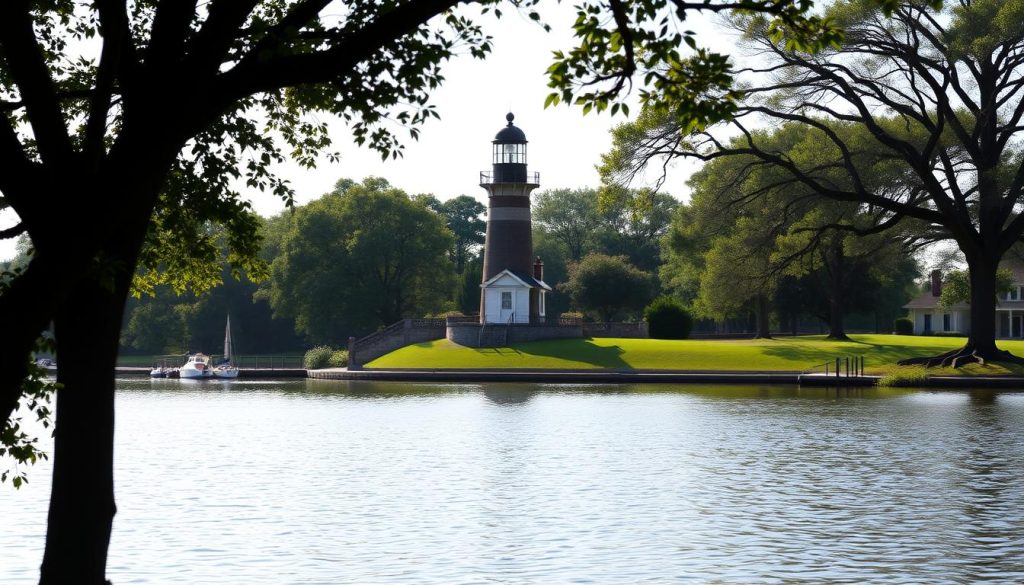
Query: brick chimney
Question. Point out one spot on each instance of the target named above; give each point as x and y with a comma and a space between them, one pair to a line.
936, 283
538, 269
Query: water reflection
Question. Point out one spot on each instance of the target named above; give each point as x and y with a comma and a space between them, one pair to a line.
509, 393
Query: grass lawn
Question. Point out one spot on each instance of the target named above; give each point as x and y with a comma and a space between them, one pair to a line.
783, 354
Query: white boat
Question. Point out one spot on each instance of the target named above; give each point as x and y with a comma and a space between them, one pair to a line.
225, 369
197, 366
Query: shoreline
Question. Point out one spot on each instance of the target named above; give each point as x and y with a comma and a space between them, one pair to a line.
604, 376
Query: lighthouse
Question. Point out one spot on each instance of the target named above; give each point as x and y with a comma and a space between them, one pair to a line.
513, 288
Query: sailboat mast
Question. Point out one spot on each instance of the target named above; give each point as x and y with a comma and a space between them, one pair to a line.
228, 350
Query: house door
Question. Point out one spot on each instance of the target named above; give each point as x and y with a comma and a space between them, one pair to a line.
1016, 326
507, 305
928, 323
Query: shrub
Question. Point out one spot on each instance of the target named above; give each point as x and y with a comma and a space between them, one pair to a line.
445, 315
903, 326
667, 318
571, 316
905, 376
948, 334
318, 357
338, 359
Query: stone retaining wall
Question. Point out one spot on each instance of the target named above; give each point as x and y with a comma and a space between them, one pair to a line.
387, 340
469, 334
630, 330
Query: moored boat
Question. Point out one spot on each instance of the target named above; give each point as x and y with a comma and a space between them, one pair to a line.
197, 366
225, 369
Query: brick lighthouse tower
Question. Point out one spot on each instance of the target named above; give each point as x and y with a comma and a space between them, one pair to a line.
513, 288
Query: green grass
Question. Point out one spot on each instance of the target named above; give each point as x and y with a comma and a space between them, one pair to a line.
783, 354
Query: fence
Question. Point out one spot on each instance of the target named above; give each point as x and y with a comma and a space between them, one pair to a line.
848, 367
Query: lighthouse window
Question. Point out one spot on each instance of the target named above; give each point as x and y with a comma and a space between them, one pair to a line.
510, 153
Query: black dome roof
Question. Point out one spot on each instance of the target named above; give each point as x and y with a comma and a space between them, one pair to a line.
510, 133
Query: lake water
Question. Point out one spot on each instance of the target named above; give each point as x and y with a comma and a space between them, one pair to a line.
333, 482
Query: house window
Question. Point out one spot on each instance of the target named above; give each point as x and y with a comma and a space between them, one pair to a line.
945, 322
506, 300
1013, 294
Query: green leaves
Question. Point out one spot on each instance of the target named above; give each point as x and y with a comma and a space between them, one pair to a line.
956, 286
621, 40
18, 445
361, 257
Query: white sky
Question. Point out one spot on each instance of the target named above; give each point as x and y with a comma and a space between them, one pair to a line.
564, 145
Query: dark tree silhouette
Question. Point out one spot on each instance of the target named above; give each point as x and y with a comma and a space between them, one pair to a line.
929, 98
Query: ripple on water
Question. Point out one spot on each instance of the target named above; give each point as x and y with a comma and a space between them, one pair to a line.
308, 482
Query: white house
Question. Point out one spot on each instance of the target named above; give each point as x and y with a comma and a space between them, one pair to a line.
929, 317
507, 297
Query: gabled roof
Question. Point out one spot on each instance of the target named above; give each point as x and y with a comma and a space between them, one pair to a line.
926, 300
525, 280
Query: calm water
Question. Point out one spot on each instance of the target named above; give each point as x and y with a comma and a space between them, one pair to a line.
366, 483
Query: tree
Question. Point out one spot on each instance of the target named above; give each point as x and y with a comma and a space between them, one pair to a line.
757, 228
931, 94
569, 216
145, 139
608, 285
467, 289
462, 214
633, 222
156, 327
359, 259
957, 286
556, 270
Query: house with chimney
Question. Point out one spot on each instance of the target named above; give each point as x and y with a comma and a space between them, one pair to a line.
930, 317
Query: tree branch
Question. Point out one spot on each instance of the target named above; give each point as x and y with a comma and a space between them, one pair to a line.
256, 73
27, 67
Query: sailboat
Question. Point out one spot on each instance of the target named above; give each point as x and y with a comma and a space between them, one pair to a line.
226, 369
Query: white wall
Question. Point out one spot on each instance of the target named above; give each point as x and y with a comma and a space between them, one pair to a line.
520, 303
958, 320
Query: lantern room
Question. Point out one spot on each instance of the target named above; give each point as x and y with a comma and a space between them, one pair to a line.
509, 154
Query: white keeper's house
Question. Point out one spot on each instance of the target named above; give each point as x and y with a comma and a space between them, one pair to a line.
929, 317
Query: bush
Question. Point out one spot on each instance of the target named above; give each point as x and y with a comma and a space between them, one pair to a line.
903, 326
318, 357
948, 334
445, 315
338, 359
571, 316
905, 376
667, 318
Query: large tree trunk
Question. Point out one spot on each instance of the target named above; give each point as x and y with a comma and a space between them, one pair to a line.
762, 315
982, 337
87, 328
836, 266
82, 499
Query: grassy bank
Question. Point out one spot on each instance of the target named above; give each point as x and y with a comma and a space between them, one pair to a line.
783, 354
